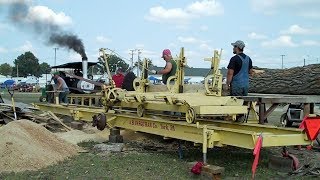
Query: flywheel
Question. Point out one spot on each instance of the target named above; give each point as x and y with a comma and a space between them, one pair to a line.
190, 116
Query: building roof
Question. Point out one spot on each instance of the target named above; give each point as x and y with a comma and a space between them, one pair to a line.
196, 71
74, 65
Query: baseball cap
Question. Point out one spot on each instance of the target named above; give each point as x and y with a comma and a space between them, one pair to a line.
166, 52
56, 73
240, 44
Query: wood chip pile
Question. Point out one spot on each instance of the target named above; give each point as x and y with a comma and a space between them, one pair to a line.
25, 145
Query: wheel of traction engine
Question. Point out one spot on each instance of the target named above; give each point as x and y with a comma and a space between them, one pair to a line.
140, 110
190, 116
101, 121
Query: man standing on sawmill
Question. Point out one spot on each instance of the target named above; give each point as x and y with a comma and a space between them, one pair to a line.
170, 68
239, 68
61, 86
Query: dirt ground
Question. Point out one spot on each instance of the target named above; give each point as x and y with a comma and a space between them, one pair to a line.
146, 156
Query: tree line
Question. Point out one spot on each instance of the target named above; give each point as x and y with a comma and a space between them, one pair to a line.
28, 64
24, 65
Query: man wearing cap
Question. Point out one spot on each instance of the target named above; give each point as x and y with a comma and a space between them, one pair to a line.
170, 68
61, 86
118, 78
239, 68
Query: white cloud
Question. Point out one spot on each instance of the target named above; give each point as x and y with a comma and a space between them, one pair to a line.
184, 15
296, 29
139, 46
282, 41
74, 57
150, 54
310, 43
159, 14
3, 50
103, 40
189, 39
205, 47
93, 57
43, 14
305, 8
204, 28
6, 2
205, 8
256, 36
27, 46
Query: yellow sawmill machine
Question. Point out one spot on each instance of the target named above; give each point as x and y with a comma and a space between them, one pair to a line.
177, 110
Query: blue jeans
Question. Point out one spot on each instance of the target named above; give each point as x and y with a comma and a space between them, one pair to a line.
239, 91
63, 97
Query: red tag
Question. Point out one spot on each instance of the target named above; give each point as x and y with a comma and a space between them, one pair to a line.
312, 126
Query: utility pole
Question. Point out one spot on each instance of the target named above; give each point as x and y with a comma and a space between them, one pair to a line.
55, 55
132, 52
139, 52
304, 62
17, 70
282, 55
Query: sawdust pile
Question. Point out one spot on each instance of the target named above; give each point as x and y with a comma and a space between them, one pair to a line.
77, 136
25, 145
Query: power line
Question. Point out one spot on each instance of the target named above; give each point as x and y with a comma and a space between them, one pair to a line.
139, 52
132, 50
117, 54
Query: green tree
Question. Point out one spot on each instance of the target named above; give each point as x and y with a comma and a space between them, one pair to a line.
44, 68
27, 64
96, 69
114, 63
5, 69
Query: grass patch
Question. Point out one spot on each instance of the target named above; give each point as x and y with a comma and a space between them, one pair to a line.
115, 166
150, 165
26, 98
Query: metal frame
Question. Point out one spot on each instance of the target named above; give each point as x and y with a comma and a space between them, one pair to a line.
276, 99
131, 110
206, 132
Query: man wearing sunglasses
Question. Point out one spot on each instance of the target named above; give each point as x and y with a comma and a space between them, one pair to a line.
239, 68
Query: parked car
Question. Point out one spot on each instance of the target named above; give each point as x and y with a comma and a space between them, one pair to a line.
25, 87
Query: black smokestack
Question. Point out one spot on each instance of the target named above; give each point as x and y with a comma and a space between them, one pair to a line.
22, 14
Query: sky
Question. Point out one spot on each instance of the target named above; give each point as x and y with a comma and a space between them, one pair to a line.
269, 28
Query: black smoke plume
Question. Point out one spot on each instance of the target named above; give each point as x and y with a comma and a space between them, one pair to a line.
69, 40
53, 33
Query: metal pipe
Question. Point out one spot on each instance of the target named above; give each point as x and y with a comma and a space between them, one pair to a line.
85, 68
205, 144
